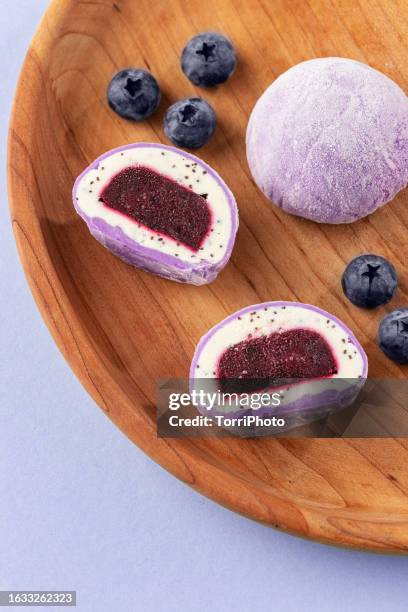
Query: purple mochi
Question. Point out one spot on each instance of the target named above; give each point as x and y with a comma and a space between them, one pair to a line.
325, 364
160, 209
328, 140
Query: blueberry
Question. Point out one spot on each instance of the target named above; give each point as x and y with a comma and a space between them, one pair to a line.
189, 123
369, 281
393, 335
134, 94
208, 59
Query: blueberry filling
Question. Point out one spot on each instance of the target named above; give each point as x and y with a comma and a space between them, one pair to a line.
272, 360
159, 203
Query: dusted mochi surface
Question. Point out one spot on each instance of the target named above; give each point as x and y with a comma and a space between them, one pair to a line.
271, 318
152, 250
328, 140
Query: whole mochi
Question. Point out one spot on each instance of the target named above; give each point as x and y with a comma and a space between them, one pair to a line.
328, 140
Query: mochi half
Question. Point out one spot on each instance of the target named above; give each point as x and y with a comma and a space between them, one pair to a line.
302, 352
160, 209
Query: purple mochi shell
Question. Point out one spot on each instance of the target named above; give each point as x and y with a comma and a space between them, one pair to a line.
145, 258
328, 140
307, 408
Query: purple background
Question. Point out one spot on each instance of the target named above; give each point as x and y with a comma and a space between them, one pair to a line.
82, 508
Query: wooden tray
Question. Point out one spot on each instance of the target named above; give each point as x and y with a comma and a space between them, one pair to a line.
121, 329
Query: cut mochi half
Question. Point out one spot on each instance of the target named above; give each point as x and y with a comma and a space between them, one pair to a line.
160, 209
298, 351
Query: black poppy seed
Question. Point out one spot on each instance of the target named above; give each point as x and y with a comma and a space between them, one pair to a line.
220, 246
283, 307
343, 340
163, 153
239, 318
265, 309
92, 182
251, 320
198, 367
211, 230
333, 326
122, 154
211, 254
275, 312
176, 254
350, 356
186, 177
344, 352
97, 178
174, 165
204, 171
272, 320
201, 248
90, 191
327, 320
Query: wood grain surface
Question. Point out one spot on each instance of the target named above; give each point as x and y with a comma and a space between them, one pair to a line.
121, 329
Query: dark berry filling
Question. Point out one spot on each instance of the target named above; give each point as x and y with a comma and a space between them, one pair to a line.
271, 360
160, 204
